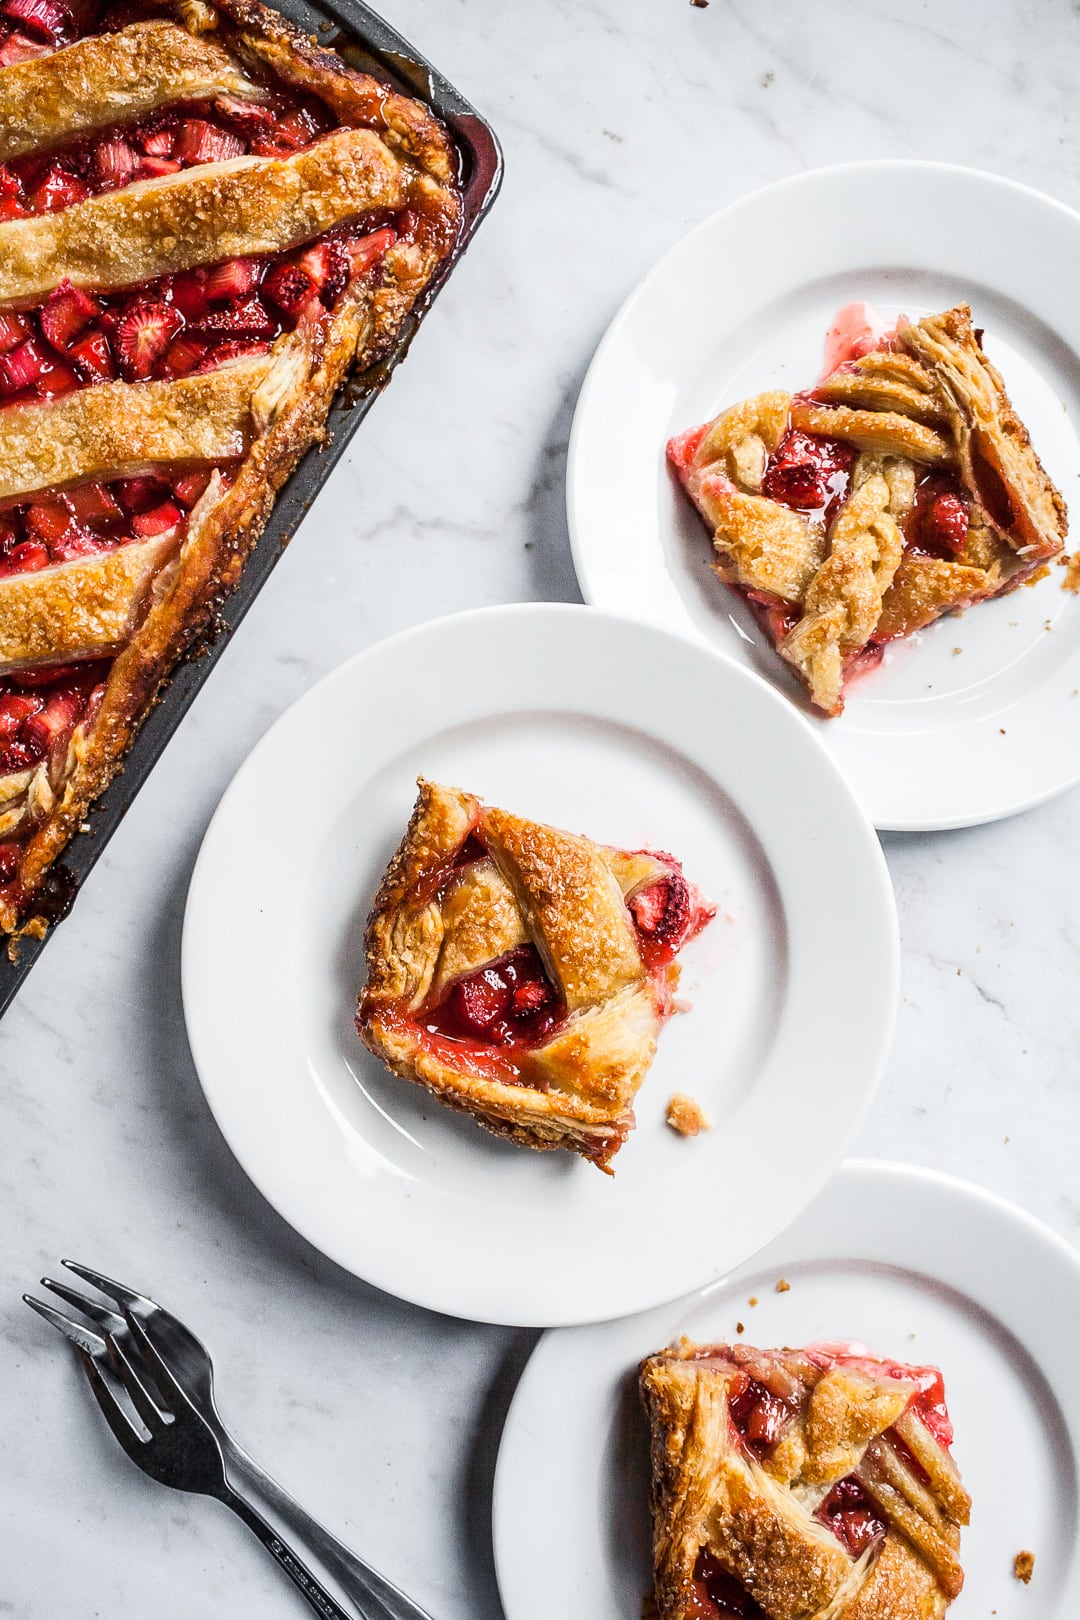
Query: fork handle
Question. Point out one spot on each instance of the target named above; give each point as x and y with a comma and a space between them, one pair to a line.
316, 1594
375, 1597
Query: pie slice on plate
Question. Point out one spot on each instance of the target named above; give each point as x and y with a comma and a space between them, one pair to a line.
205, 220
790, 1484
522, 973
902, 487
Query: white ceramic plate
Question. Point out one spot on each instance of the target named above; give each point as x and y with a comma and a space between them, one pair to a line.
635, 737
933, 737
917, 1265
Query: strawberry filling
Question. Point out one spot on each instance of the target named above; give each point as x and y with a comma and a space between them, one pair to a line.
809, 472
937, 524
758, 1413
40, 710
929, 1399
852, 1517
509, 1002
667, 914
715, 1592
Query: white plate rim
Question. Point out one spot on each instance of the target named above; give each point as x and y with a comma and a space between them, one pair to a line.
435, 1294
980, 1201
580, 551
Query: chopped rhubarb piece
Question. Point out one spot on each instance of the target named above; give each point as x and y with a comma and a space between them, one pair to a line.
241, 349
157, 520
143, 333
58, 188
18, 756
47, 20
244, 318
10, 855
66, 312
189, 486
16, 47
140, 494
328, 265
57, 377
52, 725
48, 519
159, 143
78, 543
182, 356
92, 358
234, 278
249, 115
152, 168
15, 708
94, 504
289, 133
189, 294
200, 142
115, 162
289, 286
369, 250
13, 328
22, 367
23, 559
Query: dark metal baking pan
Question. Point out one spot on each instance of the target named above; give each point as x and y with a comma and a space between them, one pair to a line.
366, 42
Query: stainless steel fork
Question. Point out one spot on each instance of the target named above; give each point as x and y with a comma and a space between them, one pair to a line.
190, 1367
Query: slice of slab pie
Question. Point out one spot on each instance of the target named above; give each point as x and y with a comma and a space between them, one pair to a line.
812, 1484
205, 220
521, 973
902, 487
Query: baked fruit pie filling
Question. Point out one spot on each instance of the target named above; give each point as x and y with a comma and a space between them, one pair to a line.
797, 1483
521, 973
901, 487
205, 221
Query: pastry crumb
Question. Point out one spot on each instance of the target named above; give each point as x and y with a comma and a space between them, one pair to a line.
957, 651
783, 1286
752, 1300
1023, 1566
686, 1115
701, 4
739, 1328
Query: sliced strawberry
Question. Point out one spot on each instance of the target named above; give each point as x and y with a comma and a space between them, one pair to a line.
189, 294
23, 559
182, 357
234, 278
114, 162
152, 168
140, 494
200, 142
48, 519
51, 728
244, 318
22, 367
157, 520
242, 349
58, 188
57, 377
159, 143
92, 358
16, 47
11, 207
368, 250
15, 709
47, 20
289, 286
9, 182
66, 312
328, 265
143, 333
249, 115
289, 133
94, 505
13, 328
189, 486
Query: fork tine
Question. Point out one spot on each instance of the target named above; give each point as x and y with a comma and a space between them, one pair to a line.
99, 1314
171, 1393
125, 1297
140, 1395
112, 1410
84, 1337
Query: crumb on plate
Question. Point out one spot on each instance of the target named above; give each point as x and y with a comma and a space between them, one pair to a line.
1023, 1566
783, 1286
686, 1115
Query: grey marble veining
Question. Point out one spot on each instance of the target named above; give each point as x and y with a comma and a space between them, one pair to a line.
624, 122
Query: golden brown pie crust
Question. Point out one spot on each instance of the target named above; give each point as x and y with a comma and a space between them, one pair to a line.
407, 157
754, 1509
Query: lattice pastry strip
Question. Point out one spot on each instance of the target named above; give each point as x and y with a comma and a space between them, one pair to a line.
523, 973
801, 1485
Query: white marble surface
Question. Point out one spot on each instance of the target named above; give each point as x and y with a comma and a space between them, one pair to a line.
624, 121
